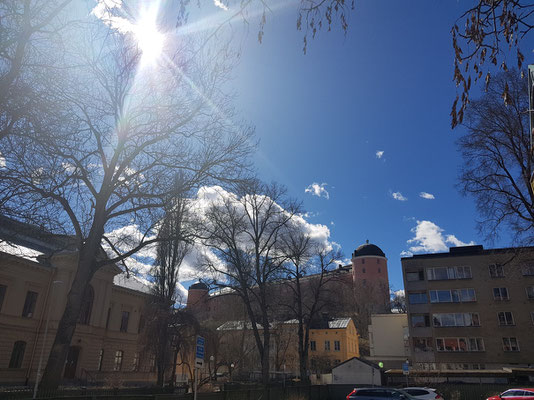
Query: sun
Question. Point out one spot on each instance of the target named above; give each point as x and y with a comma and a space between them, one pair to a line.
149, 39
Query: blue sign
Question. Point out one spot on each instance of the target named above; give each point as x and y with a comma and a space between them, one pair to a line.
199, 352
405, 368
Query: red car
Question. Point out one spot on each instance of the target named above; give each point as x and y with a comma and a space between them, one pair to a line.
515, 394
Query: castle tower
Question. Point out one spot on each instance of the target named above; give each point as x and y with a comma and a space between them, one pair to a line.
197, 296
370, 276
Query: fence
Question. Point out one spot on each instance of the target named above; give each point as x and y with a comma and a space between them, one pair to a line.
315, 392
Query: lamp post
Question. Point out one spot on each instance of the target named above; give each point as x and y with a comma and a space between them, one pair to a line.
38, 376
212, 364
231, 368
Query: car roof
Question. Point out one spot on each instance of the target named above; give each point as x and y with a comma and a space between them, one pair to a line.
419, 387
527, 389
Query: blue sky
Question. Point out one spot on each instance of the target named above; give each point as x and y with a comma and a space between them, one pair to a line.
322, 117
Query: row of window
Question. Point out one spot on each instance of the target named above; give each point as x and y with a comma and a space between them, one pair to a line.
19, 348
460, 319
461, 272
462, 344
337, 345
465, 295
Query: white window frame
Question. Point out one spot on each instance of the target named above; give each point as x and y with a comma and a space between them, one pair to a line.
508, 340
507, 322
496, 268
501, 298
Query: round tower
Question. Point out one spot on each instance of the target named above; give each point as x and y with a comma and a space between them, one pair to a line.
370, 274
197, 296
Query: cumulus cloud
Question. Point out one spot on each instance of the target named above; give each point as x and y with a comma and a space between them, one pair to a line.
2, 161
428, 196
379, 153
318, 189
398, 196
405, 253
220, 4
429, 238
192, 267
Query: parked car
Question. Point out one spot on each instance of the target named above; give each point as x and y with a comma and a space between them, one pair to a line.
375, 393
423, 393
515, 394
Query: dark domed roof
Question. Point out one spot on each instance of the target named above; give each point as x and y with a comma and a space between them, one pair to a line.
368, 249
199, 286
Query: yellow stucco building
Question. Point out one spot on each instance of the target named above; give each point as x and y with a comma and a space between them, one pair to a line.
332, 342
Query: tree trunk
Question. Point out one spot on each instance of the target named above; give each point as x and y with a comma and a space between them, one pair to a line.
265, 361
67, 324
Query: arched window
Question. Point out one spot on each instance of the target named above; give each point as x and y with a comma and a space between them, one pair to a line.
87, 306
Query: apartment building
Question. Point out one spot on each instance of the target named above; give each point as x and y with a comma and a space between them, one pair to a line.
471, 308
36, 271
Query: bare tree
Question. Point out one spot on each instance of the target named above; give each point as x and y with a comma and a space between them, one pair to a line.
497, 161
491, 30
105, 167
244, 231
308, 270
398, 302
171, 250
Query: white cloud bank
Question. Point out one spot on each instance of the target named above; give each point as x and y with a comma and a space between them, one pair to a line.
220, 4
398, 196
379, 153
429, 238
318, 189
428, 196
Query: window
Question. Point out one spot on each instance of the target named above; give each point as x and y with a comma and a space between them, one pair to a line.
118, 360
506, 318
363, 260
420, 320
496, 271
17, 355
100, 360
459, 344
530, 292
108, 317
327, 345
453, 296
500, 293
379, 270
135, 364
510, 344
87, 306
3, 290
528, 270
456, 319
417, 298
446, 273
29, 304
363, 270
313, 345
124, 321
378, 260
141, 326
337, 345
532, 316
415, 276
422, 344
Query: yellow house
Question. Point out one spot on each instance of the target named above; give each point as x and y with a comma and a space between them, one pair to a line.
332, 342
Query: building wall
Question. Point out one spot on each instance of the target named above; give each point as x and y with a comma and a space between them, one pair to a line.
52, 283
388, 337
356, 372
417, 283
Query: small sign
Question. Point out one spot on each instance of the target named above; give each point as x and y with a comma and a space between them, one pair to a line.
406, 368
199, 352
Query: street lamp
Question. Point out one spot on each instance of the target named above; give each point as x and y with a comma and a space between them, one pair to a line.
212, 363
38, 376
231, 368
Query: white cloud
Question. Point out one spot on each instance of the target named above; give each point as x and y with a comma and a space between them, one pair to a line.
379, 153
332, 223
429, 238
220, 4
398, 196
428, 196
318, 189
405, 253
2, 161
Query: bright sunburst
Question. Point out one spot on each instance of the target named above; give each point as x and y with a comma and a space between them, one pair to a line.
149, 39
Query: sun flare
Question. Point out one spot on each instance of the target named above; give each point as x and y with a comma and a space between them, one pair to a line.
149, 39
